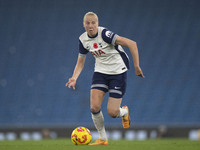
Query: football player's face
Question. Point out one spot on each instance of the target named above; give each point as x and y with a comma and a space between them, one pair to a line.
91, 25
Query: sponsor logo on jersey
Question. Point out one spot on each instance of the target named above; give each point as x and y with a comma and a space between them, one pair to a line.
97, 53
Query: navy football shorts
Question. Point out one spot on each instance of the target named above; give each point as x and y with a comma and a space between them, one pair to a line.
114, 84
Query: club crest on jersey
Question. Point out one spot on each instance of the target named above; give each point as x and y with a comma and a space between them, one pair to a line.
97, 53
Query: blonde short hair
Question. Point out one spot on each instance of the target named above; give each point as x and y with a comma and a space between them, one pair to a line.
90, 14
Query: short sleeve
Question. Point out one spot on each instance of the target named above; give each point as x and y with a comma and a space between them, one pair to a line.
109, 36
82, 50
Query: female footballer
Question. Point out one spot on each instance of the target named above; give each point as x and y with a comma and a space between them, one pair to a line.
111, 65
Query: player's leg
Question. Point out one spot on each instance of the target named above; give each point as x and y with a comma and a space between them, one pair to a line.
97, 93
115, 111
113, 106
117, 88
96, 100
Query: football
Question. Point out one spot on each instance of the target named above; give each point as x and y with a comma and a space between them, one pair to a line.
81, 136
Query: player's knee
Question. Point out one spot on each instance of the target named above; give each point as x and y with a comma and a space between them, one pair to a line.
95, 109
113, 112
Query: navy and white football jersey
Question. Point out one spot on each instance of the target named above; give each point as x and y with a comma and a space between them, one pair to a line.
110, 58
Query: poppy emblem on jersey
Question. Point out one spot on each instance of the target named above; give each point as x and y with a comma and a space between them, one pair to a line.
95, 45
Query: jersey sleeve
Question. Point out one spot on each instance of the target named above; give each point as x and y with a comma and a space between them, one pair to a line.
82, 50
109, 36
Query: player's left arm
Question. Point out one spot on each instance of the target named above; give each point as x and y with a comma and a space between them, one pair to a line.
132, 45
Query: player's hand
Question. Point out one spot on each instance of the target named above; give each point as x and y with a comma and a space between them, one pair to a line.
138, 72
71, 83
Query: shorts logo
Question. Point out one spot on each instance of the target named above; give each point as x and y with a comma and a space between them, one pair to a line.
117, 87
109, 34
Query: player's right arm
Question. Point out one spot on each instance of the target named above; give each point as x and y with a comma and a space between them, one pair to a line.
77, 70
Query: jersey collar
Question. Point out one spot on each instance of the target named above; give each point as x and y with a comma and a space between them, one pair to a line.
93, 36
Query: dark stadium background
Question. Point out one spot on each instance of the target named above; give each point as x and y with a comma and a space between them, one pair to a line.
39, 48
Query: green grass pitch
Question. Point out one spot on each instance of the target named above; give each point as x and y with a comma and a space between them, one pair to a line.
66, 144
